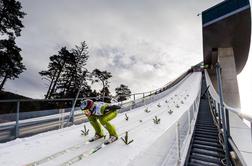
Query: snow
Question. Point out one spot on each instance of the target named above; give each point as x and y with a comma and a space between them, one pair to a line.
152, 142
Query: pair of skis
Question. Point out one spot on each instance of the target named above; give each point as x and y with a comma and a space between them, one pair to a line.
75, 147
85, 154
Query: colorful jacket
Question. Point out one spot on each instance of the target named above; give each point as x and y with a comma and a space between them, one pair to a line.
101, 108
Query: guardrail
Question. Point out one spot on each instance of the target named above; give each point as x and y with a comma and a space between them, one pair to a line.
62, 116
215, 96
179, 135
221, 111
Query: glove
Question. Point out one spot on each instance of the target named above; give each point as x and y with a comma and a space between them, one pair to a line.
87, 112
113, 107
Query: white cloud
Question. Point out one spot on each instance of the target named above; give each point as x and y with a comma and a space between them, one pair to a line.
144, 43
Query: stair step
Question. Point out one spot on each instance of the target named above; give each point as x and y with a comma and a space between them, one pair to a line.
204, 122
206, 158
204, 125
206, 139
193, 164
207, 143
205, 130
205, 149
208, 152
206, 133
202, 163
206, 136
201, 119
200, 146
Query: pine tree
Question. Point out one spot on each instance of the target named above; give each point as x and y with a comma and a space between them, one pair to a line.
10, 27
10, 18
11, 61
55, 69
67, 74
122, 92
102, 76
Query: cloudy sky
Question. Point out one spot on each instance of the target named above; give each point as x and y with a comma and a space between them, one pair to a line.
143, 43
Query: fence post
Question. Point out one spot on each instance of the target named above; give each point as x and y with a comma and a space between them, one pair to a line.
227, 121
251, 130
223, 111
73, 107
189, 120
214, 104
219, 115
61, 118
178, 144
17, 120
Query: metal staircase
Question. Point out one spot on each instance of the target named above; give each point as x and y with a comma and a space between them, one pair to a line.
205, 148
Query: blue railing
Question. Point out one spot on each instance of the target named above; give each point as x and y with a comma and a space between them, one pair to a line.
222, 9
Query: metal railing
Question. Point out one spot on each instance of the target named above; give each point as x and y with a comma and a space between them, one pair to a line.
180, 133
60, 116
221, 111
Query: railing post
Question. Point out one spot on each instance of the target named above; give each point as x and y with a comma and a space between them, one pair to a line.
178, 144
61, 118
219, 115
218, 68
193, 112
17, 120
143, 97
215, 109
251, 130
134, 97
189, 120
227, 121
73, 107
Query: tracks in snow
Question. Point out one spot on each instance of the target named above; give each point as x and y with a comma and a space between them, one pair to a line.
75, 153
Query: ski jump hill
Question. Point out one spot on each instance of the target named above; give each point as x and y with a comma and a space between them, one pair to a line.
194, 120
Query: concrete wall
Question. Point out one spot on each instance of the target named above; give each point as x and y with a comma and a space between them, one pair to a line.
229, 78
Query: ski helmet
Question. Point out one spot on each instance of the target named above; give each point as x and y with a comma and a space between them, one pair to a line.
86, 104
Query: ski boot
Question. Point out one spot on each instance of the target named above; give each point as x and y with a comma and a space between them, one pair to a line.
96, 137
110, 140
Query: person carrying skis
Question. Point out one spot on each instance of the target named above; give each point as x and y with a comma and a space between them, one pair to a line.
104, 112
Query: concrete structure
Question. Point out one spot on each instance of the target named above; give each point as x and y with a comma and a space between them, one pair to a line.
226, 39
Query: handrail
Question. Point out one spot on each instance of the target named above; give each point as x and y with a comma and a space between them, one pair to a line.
237, 111
225, 118
134, 94
231, 142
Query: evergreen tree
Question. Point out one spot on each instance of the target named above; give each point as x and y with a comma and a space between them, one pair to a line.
80, 80
10, 17
55, 69
103, 77
10, 27
67, 74
105, 95
122, 92
11, 61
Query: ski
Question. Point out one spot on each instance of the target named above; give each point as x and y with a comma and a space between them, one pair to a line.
85, 154
57, 154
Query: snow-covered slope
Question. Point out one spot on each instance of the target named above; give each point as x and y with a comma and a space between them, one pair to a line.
152, 142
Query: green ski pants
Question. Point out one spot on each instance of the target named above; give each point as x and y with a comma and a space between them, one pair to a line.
104, 120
